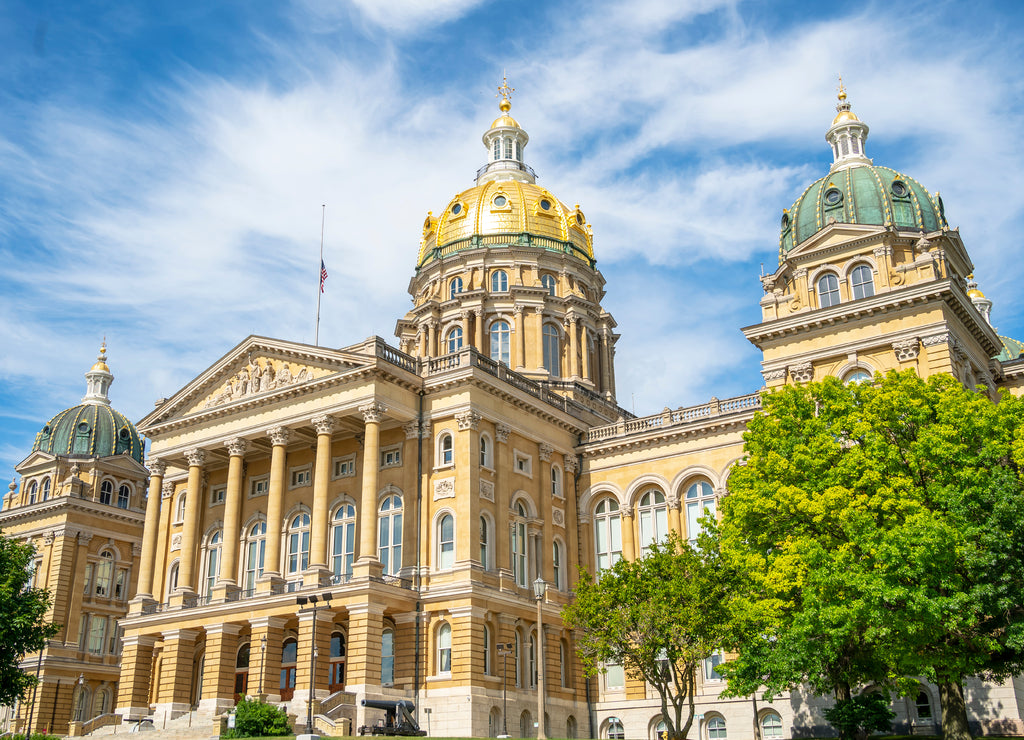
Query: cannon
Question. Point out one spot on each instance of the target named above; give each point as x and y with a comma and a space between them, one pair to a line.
398, 719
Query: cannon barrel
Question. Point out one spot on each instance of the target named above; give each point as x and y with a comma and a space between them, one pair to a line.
391, 704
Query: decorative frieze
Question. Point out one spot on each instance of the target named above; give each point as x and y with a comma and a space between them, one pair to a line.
468, 420
906, 349
255, 378
770, 375
176, 541
486, 490
444, 488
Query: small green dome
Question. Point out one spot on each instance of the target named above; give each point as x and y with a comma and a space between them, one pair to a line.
861, 194
1012, 349
90, 429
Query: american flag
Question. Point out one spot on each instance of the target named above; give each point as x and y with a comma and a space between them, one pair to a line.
323, 275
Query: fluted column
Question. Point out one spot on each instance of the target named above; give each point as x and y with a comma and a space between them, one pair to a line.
372, 415
186, 575
232, 510
157, 468
605, 361
574, 347
466, 338
478, 321
272, 565
519, 361
628, 539
585, 353
421, 346
538, 339
432, 338
324, 426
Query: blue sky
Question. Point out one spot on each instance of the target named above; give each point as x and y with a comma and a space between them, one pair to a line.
163, 164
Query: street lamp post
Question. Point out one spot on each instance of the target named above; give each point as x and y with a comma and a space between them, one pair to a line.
263, 664
504, 650
312, 599
539, 587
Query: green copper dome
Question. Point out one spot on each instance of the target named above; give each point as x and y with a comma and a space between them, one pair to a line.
861, 194
90, 429
1012, 349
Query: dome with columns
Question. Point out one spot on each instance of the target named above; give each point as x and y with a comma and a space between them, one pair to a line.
506, 206
856, 191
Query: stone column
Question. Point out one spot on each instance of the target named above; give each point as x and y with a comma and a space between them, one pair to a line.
628, 538
175, 687
467, 339
606, 359
519, 358
367, 536
232, 514
545, 567
219, 667
318, 570
324, 626
193, 499
574, 346
574, 545
432, 338
467, 487
275, 504
136, 675
584, 353
421, 341
409, 502
538, 339
502, 494
72, 617
365, 625
163, 540
265, 656
675, 518
478, 322
157, 468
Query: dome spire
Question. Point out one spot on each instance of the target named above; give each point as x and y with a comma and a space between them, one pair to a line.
983, 304
505, 141
847, 134
98, 379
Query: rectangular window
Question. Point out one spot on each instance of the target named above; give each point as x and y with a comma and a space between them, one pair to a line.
614, 677
523, 463
88, 578
344, 467
121, 584
391, 457
97, 628
113, 643
217, 495
259, 486
711, 664
301, 477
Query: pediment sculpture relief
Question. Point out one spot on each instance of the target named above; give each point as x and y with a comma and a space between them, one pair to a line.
256, 378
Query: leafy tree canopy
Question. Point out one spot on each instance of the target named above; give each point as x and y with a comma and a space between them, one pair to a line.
658, 617
22, 629
879, 531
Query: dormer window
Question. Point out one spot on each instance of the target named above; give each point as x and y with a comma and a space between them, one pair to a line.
828, 291
499, 278
454, 287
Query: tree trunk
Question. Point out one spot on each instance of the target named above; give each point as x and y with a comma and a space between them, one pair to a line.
954, 711
757, 724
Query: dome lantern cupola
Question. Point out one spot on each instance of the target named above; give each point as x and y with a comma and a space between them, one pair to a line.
983, 304
847, 135
505, 141
98, 380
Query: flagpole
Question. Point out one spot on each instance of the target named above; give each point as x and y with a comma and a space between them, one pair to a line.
319, 275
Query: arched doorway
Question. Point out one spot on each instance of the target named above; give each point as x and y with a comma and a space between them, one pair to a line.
242, 672
337, 675
289, 656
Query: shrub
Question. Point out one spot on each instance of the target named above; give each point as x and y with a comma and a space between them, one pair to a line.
858, 717
254, 718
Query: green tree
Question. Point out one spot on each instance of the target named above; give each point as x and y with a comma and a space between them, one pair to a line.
878, 530
658, 617
22, 629
862, 715
255, 718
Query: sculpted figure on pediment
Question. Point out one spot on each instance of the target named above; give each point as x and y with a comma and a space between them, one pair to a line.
257, 377
285, 376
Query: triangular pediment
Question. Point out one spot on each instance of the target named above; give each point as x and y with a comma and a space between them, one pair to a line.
36, 457
257, 368
832, 236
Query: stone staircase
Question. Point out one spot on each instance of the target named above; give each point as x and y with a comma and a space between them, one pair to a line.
195, 725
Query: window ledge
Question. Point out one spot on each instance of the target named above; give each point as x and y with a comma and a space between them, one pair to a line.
439, 677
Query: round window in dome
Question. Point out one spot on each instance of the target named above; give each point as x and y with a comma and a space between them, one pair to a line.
545, 204
456, 209
124, 433
83, 427
785, 220
833, 197
500, 201
899, 189
579, 218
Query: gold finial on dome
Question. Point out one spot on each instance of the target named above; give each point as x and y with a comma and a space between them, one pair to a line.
843, 112
505, 93
101, 361
842, 90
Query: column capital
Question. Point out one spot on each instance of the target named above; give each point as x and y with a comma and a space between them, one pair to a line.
84, 538
517, 309
264, 623
468, 420
167, 489
196, 457
538, 310
545, 451
412, 429
323, 423
372, 412
156, 466
237, 446
570, 463
227, 629
464, 315
279, 435
502, 431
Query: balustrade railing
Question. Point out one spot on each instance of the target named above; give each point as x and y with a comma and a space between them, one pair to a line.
715, 408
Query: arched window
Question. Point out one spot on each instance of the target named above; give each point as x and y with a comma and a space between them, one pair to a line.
445, 450
485, 451
106, 492
387, 657
563, 663
771, 725
923, 706
716, 729
556, 481
337, 672
653, 513
444, 648
298, 544
857, 375
46, 489
453, 342
700, 498
124, 494
501, 342
497, 149
552, 351
607, 533
485, 543
104, 573
32, 492
525, 724
862, 282
519, 545
508, 148
446, 542
556, 565
828, 290
242, 670
81, 703
343, 539
389, 534
548, 281
255, 549
570, 727
179, 509
101, 703
172, 578
213, 550
499, 281
615, 730
454, 287
658, 729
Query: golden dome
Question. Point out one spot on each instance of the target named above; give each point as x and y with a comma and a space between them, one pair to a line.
505, 121
844, 115
972, 286
500, 212
101, 361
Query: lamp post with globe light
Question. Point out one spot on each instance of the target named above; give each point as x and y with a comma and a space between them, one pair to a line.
539, 588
